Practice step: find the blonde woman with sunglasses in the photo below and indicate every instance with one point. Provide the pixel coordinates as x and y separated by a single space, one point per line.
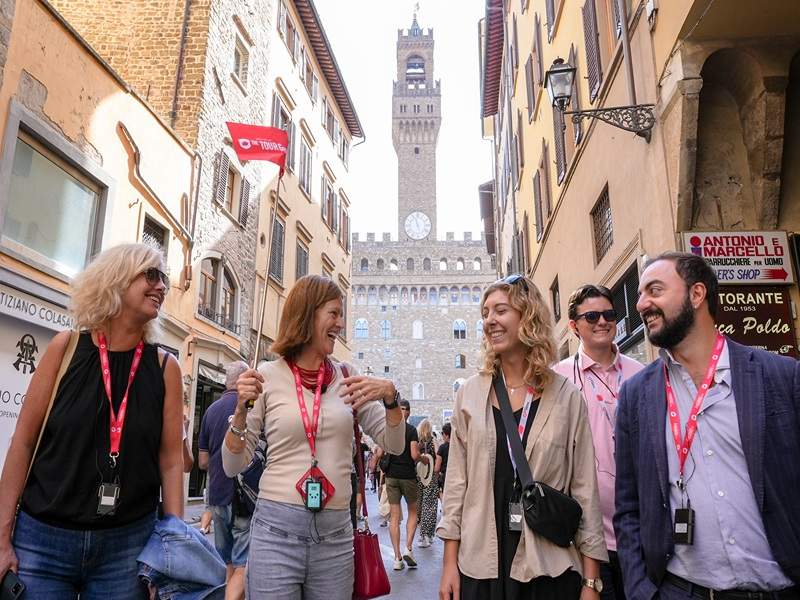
112 440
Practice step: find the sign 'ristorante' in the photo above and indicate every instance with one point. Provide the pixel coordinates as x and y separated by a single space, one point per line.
749 257
758 316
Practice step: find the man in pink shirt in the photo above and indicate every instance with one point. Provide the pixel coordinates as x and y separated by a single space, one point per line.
598 369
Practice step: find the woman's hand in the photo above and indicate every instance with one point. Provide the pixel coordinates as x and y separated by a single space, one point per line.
249 387
360 389
450 583
8 559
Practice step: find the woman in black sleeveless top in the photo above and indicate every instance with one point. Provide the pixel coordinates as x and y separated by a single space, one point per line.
85 511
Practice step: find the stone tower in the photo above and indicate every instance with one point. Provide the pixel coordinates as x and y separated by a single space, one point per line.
416 117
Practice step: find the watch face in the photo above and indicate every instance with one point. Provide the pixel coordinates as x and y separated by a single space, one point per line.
418 225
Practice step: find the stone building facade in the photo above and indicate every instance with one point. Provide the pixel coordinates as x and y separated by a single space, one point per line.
416 316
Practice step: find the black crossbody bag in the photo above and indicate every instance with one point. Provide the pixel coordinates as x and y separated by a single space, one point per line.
548 512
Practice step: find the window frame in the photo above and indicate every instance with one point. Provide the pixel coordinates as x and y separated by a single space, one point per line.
602 236
222 270
20 119
240 72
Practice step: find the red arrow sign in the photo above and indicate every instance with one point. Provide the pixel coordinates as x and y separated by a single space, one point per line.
777 274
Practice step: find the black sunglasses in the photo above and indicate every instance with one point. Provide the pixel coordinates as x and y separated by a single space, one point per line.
153 276
593 316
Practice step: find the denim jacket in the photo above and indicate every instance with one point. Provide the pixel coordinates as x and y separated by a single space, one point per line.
181 564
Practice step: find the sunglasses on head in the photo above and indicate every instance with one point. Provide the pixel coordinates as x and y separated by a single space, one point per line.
513 279
153 276
593 316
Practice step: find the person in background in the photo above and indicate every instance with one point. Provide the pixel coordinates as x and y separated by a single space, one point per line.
440 468
501 558
598 369
401 482
428 503
708 437
111 443
231 530
301 541
188 459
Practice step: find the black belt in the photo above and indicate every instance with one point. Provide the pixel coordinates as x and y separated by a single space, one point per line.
699 591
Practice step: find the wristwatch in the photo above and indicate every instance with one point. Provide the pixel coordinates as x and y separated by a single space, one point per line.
240 433
594 584
395 402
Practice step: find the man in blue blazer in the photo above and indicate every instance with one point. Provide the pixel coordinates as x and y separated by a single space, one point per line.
712 509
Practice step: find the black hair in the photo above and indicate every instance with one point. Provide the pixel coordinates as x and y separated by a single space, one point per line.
693 269
405 404
446 429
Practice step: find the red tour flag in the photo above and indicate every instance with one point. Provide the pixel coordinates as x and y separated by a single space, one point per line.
255 142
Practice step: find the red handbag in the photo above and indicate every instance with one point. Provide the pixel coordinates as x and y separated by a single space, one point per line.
371 580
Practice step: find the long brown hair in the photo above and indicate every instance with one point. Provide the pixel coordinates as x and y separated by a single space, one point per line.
535 332
297 318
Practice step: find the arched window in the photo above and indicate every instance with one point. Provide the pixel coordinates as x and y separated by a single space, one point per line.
433 296
423 295
442 295
476 295
208 286
460 264
453 295
414 299
418 363
393 296
443 264
379 264
393 265
426 264
228 302
362 329
386 329
416 330
361 295
418 391
465 295
372 296
409 264
459 329
479 329
219 294
364 265
476 264
404 295
383 294
461 361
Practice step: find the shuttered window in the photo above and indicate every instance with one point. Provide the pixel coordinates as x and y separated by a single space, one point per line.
550 6
520 142
538 64
592 42
602 226
576 129
537 204
558 137
515 50
529 87
244 201
544 168
616 21
223 171
301 261
276 254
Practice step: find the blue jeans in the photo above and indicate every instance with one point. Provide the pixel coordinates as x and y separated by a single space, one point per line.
299 555
231 535
60 564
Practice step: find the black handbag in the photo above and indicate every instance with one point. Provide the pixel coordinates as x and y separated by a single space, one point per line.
552 514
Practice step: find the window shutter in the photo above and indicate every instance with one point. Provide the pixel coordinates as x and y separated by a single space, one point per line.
577 127
335 211
551 18
537 204
276 110
558 137
520 142
276 255
282 20
296 46
244 201
592 40
617 20
526 246
537 41
546 199
314 88
223 164
529 86
290 153
324 112
515 52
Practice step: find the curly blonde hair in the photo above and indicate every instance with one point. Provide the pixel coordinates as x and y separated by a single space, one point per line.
535 331
425 431
97 291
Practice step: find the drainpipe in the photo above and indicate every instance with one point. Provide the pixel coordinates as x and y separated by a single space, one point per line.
626 51
187 9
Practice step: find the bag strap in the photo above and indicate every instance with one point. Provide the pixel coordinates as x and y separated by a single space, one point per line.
523 468
359 454
69 351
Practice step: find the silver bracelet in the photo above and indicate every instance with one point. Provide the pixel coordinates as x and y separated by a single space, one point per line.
240 433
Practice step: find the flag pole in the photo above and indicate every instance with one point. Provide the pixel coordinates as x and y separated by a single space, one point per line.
273 218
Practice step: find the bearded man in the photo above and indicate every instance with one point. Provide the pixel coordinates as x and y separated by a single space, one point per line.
709 509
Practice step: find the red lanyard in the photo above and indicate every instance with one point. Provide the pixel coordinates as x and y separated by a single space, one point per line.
117 420
691 424
312 426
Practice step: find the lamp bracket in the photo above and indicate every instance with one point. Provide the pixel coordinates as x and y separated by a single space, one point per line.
638 118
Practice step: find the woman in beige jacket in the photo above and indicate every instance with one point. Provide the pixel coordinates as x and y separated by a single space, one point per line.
483 557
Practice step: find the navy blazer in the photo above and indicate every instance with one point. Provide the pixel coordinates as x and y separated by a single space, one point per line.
767 392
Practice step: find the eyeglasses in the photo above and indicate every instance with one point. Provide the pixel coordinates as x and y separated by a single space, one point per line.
513 279
593 316
153 276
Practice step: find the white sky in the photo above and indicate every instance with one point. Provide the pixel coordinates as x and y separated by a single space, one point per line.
363 34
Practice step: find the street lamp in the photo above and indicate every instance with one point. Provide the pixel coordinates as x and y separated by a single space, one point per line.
558 82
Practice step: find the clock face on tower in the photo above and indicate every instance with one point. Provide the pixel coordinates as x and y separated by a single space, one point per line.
418 225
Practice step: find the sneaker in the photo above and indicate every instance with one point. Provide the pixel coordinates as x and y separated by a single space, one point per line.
409 558
424 542
399 565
